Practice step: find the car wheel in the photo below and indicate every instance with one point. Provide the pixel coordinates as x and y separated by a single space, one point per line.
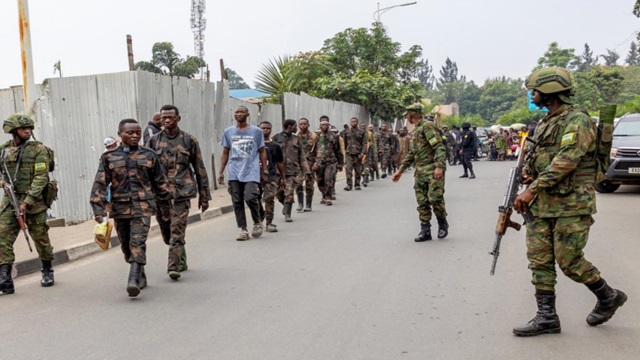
606 187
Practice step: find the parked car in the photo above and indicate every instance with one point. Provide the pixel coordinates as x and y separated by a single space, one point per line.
625 155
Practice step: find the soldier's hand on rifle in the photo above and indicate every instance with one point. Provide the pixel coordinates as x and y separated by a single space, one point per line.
522 201
438 174
23 208
526 178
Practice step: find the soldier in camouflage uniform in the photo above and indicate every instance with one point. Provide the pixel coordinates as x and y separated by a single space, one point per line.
404 142
308 139
181 158
137 180
428 155
561 171
275 177
295 164
385 147
27 164
372 153
328 160
355 143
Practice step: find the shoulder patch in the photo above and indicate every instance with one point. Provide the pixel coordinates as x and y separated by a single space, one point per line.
433 141
40 166
568 138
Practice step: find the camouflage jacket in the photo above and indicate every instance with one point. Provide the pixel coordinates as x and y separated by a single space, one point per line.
563 165
31 177
136 178
427 151
181 159
385 141
309 146
355 141
295 161
328 149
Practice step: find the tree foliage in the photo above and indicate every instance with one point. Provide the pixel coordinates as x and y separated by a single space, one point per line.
633 57
272 76
425 75
587 60
556 56
165 60
611 58
235 81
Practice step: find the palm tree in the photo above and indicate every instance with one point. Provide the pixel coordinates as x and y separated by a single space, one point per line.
272 77
57 67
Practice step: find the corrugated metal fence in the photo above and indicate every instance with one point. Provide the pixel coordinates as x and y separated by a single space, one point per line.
75 114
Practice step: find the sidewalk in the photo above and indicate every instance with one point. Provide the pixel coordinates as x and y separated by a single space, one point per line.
76 241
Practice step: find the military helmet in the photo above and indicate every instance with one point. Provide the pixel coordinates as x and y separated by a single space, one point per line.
416 108
17 121
466 125
550 80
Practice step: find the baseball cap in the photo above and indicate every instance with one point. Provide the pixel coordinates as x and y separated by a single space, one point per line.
110 141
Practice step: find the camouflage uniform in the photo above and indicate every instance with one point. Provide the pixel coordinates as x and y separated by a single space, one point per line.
181 158
269 188
308 146
372 154
328 157
427 153
137 179
355 142
395 151
295 162
404 144
384 150
29 181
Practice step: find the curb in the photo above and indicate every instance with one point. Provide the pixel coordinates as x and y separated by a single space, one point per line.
90 247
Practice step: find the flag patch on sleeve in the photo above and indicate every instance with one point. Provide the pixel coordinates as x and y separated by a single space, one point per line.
568 139
40 166
433 141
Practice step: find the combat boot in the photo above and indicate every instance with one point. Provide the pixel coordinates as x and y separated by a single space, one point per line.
134 278
365 180
143 278
546 320
307 207
425 232
609 300
287 212
300 202
6 282
472 175
384 174
465 175
443 228
183 260
47 274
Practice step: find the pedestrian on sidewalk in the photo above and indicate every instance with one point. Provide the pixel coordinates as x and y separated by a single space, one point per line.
181 158
245 153
355 143
274 180
26 164
309 139
137 178
328 160
428 154
295 164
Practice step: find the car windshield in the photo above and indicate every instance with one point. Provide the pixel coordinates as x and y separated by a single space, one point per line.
628 127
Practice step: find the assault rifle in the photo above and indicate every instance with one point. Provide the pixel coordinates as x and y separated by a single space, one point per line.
8 189
506 209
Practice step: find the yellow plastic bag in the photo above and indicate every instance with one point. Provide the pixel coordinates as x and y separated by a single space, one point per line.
102 234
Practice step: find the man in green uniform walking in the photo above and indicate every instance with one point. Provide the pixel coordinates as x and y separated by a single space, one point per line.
26 163
428 154
561 171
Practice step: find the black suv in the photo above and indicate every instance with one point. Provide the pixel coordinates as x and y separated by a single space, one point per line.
625 155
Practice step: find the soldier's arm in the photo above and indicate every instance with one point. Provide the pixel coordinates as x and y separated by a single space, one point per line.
201 171
579 135
410 157
337 148
40 175
98 199
435 140
365 141
159 181
304 165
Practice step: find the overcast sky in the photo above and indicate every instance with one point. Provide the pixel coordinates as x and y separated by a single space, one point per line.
486 38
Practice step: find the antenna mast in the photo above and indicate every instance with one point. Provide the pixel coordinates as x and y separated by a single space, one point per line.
198 25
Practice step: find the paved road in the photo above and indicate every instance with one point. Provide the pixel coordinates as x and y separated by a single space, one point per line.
343 282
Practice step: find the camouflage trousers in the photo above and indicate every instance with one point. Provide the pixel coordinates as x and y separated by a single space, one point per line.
429 194
386 162
354 164
285 194
560 240
173 233
132 233
307 185
326 179
10 230
269 191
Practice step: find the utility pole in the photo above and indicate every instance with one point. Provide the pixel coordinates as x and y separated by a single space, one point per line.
28 83
130 53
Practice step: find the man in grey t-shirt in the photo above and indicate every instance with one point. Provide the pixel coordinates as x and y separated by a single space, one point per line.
244 153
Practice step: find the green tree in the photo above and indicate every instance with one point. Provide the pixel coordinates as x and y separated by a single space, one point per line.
587 60
235 81
611 58
609 82
425 75
165 60
303 69
469 98
556 56
633 57
271 77
520 115
448 84
499 96
631 85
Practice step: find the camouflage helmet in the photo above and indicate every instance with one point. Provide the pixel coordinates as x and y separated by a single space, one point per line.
552 80
415 108
17 121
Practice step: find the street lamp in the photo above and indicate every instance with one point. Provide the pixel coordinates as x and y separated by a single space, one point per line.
379 12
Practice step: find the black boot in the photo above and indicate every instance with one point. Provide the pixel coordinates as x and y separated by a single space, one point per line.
472 176
546 320
307 206
425 232
465 175
47 274
143 278
300 202
287 212
609 300
365 180
443 228
133 287
6 282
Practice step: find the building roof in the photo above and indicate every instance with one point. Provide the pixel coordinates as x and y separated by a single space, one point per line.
247 93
